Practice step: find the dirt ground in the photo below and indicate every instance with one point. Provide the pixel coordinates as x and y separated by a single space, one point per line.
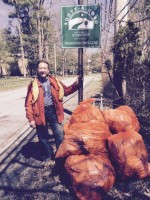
24 178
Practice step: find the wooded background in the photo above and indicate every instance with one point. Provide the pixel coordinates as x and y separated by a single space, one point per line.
34 32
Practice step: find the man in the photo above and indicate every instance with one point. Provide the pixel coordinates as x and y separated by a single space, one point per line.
44 105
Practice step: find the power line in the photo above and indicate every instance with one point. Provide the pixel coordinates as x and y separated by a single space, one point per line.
129 9
74 2
105 13
125 15
104 29
110 8
104 52
121 11
114 18
141 20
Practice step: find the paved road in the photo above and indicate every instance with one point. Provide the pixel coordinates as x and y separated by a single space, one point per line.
12 113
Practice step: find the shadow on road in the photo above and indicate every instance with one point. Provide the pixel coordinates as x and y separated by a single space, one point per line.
32 150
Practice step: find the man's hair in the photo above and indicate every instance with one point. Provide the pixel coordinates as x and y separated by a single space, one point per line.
42 61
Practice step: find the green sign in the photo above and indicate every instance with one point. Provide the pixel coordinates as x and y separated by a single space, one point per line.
80 26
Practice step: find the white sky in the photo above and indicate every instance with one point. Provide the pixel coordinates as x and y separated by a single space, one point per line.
4 10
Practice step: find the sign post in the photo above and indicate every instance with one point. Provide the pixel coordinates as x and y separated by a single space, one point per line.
80 27
80 70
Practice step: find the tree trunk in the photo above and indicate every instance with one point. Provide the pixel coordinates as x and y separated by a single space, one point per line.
117 80
42 36
39 35
21 43
46 50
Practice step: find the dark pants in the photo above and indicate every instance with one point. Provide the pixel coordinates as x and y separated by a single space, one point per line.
43 135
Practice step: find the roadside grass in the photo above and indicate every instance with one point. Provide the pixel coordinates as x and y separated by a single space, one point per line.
11 83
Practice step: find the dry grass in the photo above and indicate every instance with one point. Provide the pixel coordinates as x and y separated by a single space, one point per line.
11 83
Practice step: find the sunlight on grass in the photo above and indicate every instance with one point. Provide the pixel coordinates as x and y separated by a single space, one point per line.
13 83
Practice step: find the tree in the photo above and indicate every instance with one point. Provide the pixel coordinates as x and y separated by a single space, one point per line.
17 14
125 49
5 56
34 32
141 13
130 65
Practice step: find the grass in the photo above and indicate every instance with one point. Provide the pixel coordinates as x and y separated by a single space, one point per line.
10 83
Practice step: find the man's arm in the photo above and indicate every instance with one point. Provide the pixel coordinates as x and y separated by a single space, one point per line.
28 106
70 89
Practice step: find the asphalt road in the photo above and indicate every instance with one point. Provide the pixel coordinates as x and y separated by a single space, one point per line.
12 115
13 121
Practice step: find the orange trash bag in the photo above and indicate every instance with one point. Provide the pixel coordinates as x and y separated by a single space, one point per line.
129 154
86 112
121 119
86 132
84 138
90 175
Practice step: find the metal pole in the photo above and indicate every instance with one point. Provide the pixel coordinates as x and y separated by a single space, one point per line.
117 75
80 71
80 68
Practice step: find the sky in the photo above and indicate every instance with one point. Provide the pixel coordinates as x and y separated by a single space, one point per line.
4 10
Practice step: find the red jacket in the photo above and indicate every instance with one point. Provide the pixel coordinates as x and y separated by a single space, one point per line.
35 111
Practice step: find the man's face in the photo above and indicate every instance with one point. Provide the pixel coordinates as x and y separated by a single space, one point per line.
43 70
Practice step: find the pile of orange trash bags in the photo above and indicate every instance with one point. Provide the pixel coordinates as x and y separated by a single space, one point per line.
100 145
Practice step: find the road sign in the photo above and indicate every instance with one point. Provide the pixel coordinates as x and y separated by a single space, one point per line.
80 25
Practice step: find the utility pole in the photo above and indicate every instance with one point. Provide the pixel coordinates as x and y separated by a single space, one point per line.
80 68
117 75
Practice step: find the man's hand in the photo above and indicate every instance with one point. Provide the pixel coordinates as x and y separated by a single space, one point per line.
32 124
79 77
